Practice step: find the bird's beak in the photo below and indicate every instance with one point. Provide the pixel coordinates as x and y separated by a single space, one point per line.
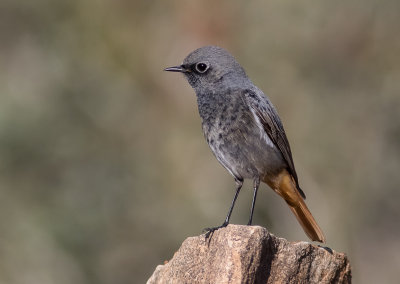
179 68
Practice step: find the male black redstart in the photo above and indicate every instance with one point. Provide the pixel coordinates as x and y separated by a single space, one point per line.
244 131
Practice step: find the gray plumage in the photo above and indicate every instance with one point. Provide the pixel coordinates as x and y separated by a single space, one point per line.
240 123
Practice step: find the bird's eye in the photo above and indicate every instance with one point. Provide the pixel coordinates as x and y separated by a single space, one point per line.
201 67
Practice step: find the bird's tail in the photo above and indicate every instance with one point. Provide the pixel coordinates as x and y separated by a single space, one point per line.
285 186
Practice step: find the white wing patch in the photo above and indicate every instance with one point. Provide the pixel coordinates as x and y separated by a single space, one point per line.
263 133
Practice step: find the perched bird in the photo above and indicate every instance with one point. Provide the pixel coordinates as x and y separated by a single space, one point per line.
244 131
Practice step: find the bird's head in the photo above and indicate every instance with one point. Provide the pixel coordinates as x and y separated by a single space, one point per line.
211 67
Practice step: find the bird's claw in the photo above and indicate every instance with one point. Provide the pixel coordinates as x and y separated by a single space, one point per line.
210 231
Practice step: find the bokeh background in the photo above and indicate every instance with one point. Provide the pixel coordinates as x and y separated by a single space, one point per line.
104 170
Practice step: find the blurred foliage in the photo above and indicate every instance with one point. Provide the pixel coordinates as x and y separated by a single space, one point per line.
104 170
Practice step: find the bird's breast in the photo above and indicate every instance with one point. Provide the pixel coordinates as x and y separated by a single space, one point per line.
236 139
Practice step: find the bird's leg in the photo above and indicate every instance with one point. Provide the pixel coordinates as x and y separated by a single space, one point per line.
239 183
256 184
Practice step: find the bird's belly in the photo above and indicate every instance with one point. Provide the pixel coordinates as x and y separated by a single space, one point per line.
245 152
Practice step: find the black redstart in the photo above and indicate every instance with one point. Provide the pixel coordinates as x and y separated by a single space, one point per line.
244 131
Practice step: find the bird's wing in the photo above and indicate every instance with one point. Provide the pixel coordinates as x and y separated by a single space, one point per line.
268 117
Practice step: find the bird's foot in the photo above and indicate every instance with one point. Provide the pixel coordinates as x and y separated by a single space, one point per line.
210 231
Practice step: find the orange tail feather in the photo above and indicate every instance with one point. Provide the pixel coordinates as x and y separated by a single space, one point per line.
285 186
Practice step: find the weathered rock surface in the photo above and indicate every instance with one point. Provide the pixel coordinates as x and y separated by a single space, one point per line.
249 254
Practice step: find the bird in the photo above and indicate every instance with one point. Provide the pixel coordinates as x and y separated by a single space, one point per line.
244 132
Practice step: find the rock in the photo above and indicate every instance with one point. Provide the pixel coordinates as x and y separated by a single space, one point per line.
250 254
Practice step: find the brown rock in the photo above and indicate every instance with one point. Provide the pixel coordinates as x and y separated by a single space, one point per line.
249 254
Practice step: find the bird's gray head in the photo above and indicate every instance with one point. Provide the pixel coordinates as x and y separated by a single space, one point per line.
211 67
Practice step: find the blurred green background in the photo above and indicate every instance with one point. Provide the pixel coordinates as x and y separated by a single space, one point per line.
104 170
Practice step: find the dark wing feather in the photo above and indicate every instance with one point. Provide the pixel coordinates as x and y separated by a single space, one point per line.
273 127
